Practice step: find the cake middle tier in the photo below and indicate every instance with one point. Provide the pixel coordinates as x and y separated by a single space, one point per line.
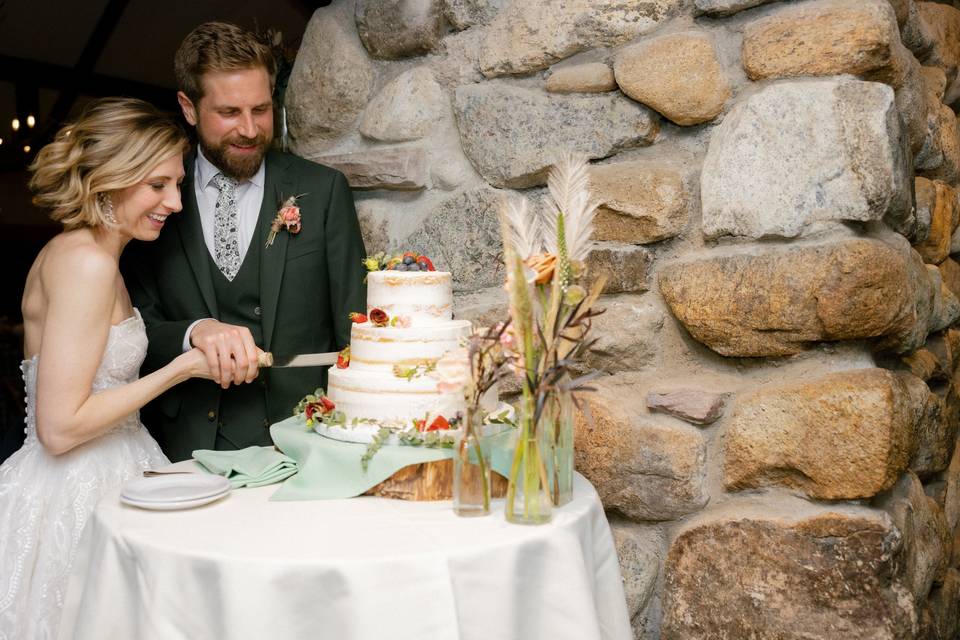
379 349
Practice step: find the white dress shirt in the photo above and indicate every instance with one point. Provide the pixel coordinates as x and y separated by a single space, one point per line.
249 199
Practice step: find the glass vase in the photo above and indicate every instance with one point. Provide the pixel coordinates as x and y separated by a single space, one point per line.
471 468
557 421
528 488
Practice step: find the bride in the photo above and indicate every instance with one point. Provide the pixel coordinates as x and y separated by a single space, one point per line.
112 176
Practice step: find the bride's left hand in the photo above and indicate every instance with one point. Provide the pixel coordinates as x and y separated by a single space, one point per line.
193 364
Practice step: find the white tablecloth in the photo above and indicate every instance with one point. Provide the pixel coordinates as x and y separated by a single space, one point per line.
362 568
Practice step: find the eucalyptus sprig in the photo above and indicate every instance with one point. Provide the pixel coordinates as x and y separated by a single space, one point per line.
379 439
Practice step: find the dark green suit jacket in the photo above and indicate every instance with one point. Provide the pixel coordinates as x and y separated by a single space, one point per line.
309 283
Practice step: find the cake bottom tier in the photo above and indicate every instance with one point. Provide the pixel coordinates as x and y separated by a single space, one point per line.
370 401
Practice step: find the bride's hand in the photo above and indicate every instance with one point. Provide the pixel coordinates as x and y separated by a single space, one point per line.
194 364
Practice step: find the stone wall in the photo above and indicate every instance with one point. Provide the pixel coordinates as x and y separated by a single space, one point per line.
776 439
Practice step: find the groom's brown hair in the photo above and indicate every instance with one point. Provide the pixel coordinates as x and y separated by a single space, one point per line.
218 46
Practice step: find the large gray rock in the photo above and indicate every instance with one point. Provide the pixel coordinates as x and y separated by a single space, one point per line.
935 431
914 102
462 236
527 36
946 307
624 266
951 498
483 307
374 218
398 28
640 549
405 109
677 74
914 30
841 158
846 435
943 24
627 333
512 135
925 535
941 153
645 467
945 606
827 38
930 156
720 8
777 303
395 169
756 575
643 202
463 14
326 92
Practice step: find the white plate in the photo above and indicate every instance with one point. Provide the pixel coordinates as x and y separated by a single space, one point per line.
175 488
170 506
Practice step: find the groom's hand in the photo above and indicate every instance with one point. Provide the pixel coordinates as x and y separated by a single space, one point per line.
230 351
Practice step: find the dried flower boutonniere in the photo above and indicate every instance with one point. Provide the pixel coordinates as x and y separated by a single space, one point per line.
288 218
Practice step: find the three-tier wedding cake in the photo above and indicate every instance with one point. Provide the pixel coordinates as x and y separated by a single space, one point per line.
408 327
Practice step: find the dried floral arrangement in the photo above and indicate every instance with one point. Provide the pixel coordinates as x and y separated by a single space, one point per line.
550 310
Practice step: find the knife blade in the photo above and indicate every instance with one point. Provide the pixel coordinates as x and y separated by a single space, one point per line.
275 361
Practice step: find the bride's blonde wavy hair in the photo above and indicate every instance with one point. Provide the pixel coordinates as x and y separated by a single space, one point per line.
113 145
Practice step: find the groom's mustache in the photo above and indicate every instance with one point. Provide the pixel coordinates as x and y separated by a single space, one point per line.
241 141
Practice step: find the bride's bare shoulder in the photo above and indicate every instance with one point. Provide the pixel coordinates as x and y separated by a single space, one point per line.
74 257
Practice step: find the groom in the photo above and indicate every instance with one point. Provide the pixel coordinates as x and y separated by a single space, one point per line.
215 281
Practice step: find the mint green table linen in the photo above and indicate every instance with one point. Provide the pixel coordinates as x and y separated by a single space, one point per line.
250 467
331 469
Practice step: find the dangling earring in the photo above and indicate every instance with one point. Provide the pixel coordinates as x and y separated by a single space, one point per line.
106 205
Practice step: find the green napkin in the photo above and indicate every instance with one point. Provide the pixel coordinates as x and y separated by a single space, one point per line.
250 467
330 468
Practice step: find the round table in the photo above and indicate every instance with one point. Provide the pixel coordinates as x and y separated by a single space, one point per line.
246 567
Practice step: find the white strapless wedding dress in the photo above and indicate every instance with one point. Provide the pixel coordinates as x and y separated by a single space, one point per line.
45 500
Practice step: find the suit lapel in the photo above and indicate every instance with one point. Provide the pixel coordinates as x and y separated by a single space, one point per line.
278 185
191 236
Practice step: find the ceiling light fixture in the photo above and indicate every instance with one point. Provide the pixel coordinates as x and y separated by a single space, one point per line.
15 124
26 148
31 121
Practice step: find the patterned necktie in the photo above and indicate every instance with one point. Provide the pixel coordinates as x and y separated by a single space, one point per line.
226 243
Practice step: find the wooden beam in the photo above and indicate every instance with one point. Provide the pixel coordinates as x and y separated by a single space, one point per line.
84 67
50 76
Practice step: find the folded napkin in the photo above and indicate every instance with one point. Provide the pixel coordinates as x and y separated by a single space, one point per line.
250 467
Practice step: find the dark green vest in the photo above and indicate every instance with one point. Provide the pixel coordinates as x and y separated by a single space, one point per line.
243 416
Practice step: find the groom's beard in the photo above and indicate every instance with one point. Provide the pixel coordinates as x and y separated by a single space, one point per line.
231 163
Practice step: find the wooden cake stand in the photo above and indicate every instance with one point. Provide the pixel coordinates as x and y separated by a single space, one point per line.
428 481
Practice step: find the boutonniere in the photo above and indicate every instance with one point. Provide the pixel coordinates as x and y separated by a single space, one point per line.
288 218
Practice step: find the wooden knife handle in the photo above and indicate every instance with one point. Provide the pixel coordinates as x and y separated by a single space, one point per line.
265 359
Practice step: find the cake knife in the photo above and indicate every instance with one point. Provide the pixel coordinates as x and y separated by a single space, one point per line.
268 359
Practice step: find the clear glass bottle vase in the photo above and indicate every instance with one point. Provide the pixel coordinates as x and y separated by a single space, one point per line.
528 488
471 468
557 422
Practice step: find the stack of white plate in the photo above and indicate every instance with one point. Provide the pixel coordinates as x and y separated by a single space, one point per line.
163 493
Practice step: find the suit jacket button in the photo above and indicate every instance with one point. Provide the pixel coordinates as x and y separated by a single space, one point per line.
257 311
266 422
211 415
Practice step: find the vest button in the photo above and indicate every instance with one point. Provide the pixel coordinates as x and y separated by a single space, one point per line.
257 311
266 422
211 415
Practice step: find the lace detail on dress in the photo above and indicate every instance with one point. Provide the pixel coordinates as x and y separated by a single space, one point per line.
45 500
